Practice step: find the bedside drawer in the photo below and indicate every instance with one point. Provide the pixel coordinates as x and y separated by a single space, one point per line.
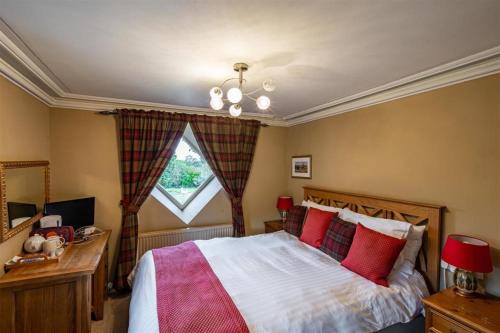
272 229
442 324
273 226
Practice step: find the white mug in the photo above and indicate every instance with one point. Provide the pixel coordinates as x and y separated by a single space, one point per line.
49 248
58 240
52 244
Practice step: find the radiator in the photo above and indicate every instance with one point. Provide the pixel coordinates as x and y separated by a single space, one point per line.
156 239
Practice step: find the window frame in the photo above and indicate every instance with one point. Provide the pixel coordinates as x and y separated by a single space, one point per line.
198 190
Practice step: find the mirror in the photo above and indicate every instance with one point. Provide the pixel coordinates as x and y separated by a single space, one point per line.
24 189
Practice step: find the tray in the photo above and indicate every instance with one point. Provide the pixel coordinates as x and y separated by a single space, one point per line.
39 259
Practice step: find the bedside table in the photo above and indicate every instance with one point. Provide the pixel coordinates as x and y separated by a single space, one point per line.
448 312
273 226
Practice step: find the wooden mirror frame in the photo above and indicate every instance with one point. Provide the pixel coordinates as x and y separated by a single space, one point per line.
5 231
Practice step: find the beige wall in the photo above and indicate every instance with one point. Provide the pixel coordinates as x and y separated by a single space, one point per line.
85 162
24 135
154 216
439 147
267 181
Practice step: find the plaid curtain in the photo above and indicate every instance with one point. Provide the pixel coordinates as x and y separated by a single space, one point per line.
148 140
228 145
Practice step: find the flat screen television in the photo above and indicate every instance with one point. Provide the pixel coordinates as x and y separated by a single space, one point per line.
76 213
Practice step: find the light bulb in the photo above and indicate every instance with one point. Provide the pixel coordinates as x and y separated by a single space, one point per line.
269 85
263 102
235 110
234 95
216 92
216 103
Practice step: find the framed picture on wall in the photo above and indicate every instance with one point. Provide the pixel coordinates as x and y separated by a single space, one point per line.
302 166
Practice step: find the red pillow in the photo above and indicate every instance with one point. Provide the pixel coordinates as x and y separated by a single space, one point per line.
315 226
373 254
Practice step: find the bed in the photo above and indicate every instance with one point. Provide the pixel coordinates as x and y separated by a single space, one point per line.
276 283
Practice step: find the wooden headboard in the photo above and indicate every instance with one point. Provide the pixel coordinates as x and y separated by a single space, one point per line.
411 212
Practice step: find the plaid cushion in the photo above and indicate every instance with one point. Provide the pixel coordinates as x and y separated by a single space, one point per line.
338 238
295 219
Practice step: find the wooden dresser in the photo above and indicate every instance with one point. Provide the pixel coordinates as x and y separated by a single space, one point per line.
447 312
57 297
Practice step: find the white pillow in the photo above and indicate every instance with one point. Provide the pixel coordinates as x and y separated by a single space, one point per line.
393 228
408 256
312 204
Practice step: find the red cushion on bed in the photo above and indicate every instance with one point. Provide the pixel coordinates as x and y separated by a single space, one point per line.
373 254
315 226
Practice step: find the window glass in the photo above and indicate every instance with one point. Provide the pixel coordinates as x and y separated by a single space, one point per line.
186 174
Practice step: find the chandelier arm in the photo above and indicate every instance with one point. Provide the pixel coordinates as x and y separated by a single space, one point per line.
231 79
227 80
253 91
250 97
240 72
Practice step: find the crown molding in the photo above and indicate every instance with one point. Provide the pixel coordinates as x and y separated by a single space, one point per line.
468 68
11 74
472 67
92 103
19 50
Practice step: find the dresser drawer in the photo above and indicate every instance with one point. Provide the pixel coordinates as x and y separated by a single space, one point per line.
442 324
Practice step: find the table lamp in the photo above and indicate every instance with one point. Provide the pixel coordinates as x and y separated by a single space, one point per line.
284 204
469 255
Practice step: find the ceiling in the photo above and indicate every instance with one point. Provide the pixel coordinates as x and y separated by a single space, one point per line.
173 52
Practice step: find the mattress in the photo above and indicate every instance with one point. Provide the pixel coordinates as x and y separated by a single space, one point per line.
280 284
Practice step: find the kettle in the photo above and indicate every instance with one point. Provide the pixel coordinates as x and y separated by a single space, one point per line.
34 243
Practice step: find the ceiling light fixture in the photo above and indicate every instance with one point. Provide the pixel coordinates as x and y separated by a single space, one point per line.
235 94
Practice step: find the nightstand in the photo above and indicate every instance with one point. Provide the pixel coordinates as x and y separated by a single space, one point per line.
273 226
448 312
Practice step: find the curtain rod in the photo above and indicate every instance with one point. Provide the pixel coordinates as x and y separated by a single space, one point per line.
113 113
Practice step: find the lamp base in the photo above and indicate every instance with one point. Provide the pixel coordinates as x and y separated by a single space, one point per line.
459 292
283 214
465 283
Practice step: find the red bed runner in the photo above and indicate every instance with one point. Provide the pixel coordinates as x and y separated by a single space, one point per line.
189 296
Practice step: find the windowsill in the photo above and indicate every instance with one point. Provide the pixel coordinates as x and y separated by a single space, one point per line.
195 206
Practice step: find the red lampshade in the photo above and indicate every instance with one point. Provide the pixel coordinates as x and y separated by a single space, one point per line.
284 203
468 253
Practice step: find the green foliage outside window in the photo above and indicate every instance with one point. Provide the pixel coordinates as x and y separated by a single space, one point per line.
191 172
185 173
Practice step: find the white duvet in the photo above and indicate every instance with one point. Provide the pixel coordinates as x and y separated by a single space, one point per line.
280 284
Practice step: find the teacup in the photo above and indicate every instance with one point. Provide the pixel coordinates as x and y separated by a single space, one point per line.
59 240
52 244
